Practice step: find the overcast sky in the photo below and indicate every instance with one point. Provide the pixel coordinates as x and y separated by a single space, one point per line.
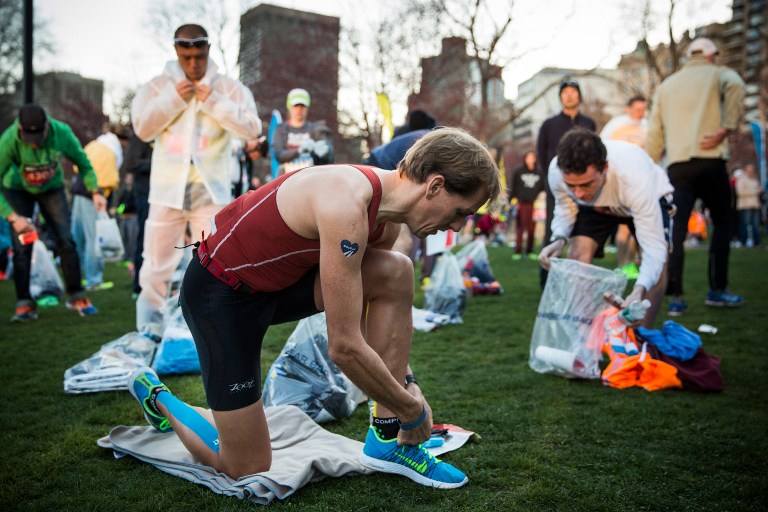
109 39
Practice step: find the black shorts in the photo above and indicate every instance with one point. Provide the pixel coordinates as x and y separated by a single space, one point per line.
228 327
598 226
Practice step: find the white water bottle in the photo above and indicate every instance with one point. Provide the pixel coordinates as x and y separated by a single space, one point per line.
635 311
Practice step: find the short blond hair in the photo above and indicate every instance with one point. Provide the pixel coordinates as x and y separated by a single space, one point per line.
464 162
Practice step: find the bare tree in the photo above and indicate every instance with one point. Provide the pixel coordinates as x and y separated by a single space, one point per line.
484 28
12 53
384 59
121 107
358 117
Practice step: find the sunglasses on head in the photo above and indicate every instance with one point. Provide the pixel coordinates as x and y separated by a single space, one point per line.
569 82
198 42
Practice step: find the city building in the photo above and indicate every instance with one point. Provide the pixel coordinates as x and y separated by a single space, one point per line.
744 48
281 49
461 90
71 98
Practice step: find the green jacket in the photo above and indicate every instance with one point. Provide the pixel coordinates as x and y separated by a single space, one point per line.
23 167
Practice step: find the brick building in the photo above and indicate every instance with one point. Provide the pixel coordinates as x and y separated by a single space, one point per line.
281 49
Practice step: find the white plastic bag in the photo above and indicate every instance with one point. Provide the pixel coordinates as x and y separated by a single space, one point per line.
572 298
109 242
446 293
304 375
44 278
475 251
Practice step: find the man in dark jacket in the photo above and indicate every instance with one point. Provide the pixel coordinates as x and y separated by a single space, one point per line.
550 133
138 162
527 184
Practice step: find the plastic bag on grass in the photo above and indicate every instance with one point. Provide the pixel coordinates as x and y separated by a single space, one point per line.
474 251
303 375
109 242
572 298
109 368
446 293
177 352
44 278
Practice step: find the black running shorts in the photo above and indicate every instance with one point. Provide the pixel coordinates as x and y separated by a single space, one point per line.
228 327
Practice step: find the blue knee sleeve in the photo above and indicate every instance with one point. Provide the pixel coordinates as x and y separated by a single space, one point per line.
191 419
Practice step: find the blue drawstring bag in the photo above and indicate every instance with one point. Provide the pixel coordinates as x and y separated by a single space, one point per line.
673 340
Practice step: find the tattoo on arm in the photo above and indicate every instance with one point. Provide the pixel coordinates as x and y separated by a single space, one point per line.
348 248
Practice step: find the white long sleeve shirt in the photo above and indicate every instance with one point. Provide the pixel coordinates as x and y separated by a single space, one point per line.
192 132
633 186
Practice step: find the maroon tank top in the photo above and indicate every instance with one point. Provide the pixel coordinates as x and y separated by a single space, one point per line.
253 242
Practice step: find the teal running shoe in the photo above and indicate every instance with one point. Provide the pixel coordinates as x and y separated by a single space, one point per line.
414 462
144 385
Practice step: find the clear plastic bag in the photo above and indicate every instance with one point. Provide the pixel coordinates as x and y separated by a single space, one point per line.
44 278
109 242
304 375
177 352
474 251
572 298
446 293
109 368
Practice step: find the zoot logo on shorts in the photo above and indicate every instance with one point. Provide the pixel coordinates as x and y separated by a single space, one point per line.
241 386
38 175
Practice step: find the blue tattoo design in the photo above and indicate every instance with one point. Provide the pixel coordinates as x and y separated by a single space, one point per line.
348 248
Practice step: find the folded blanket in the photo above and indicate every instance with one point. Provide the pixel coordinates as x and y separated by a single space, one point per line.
302 452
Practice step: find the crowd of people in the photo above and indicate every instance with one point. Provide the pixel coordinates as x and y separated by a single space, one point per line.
337 238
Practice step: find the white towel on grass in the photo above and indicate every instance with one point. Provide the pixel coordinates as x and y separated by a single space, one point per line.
302 452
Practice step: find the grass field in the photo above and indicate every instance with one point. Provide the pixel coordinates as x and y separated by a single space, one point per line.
547 443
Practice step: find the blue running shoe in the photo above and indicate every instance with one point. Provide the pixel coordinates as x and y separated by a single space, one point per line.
143 385
413 462
677 307
723 299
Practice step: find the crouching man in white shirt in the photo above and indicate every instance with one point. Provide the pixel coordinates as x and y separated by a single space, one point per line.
598 186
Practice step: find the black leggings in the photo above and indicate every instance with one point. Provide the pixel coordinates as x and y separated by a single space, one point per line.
228 327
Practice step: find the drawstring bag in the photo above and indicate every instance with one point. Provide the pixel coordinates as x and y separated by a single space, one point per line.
44 279
177 352
446 293
109 242
572 299
305 376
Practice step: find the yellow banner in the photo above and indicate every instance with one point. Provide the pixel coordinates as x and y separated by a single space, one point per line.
387 128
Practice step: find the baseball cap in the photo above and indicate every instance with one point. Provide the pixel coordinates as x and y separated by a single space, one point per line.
297 97
32 121
702 45
569 82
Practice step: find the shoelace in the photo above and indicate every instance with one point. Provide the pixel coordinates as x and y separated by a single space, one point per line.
418 455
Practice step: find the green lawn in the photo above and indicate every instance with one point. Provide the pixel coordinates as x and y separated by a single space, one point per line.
547 443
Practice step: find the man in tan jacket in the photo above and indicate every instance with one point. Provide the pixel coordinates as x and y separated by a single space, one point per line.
693 112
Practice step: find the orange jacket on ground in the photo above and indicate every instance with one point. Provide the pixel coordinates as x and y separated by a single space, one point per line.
641 370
